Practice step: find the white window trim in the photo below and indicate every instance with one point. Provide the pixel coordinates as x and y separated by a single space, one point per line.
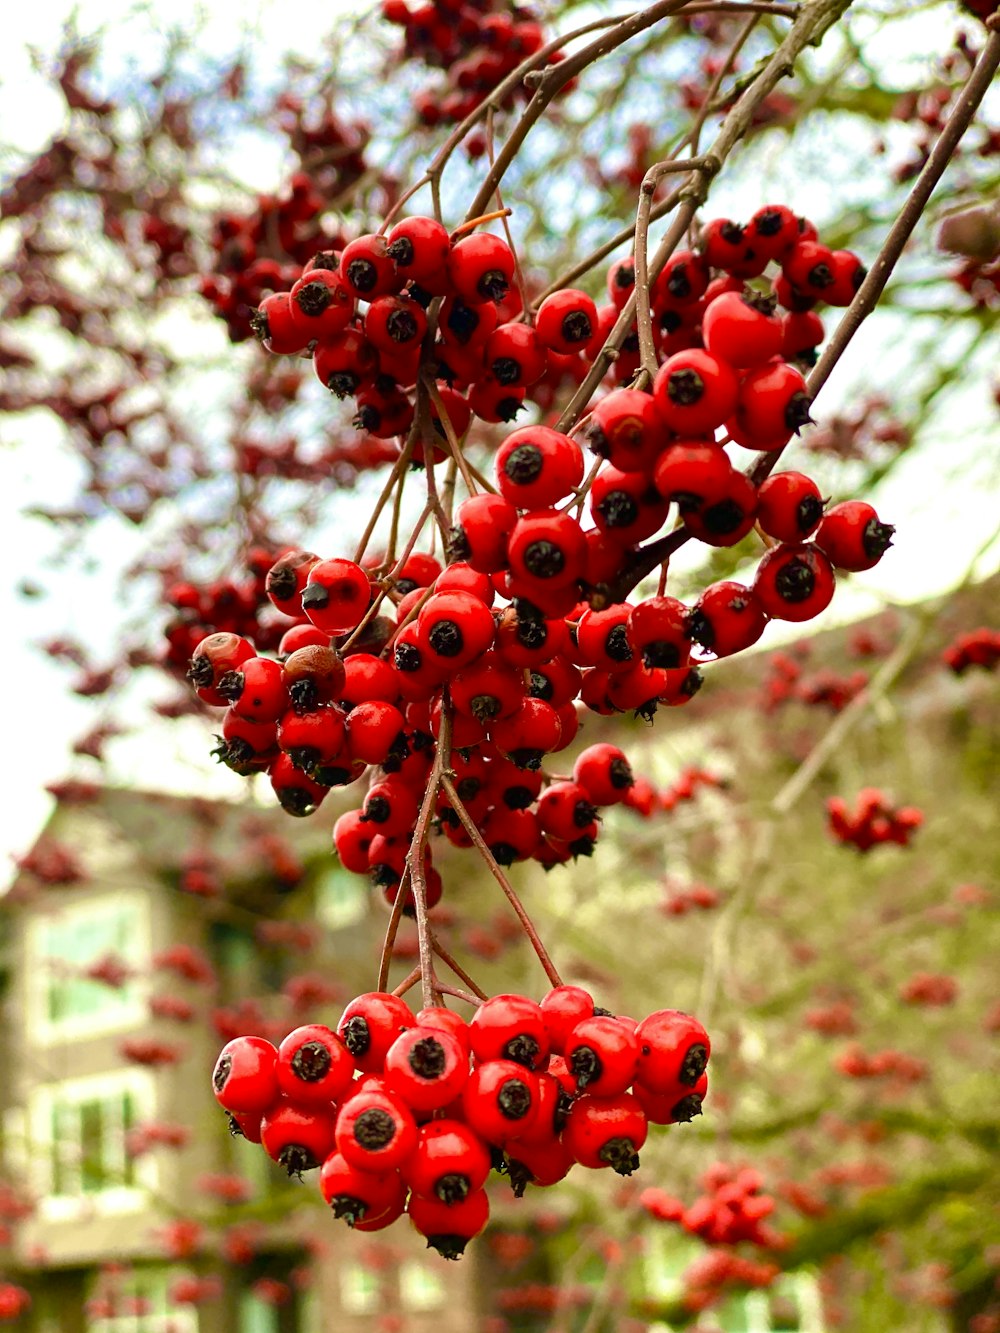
131 1013
116 1200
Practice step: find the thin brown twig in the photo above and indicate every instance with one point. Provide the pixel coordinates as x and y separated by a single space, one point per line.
456 967
497 872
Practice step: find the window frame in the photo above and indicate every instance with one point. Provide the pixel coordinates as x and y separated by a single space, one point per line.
45 1102
131 1010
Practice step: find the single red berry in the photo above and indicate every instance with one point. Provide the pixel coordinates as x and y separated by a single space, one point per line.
673 1051
370 1024
727 618
536 467
298 1136
314 1065
546 548
419 248
375 1131
794 582
742 328
449 1163
626 506
482 526
320 304
606 1131
695 392
500 1100
245 1078
562 1009
449 1227
602 1055
853 537
514 355
566 320
336 596
773 231
773 404
604 772
455 628
509 1027
359 1196
368 270
625 428
275 326
529 734
427 1068
789 506
481 267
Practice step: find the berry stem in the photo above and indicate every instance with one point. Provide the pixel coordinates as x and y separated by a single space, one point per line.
472 223
408 982
459 994
456 967
811 23
477 839
644 319
976 86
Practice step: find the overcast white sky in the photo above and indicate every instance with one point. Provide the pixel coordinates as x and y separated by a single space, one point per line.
944 498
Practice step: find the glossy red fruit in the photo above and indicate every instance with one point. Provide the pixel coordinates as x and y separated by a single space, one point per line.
625 428
566 320
375 1131
427 1068
481 267
602 1055
727 618
450 1162
789 506
673 1051
794 582
245 1078
455 628
546 548
853 536
500 1100
369 1026
563 1008
773 404
449 1227
606 1131
313 1065
368 270
695 392
742 329
357 1196
537 467
296 1135
509 1027
336 596
604 772
482 526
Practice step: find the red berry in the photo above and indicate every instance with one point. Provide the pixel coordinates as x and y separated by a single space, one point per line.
695 392
852 536
794 582
245 1079
370 1024
375 1131
313 1065
606 1131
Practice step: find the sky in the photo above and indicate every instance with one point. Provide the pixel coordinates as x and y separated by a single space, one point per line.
943 496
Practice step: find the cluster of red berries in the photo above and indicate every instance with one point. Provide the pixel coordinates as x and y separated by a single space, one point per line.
246 266
646 800
478 44
929 989
874 820
977 648
825 688
732 1208
228 606
855 1063
409 1112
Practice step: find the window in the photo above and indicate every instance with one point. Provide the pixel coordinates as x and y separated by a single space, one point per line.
359 1289
78 1129
420 1288
142 1304
62 1004
342 898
